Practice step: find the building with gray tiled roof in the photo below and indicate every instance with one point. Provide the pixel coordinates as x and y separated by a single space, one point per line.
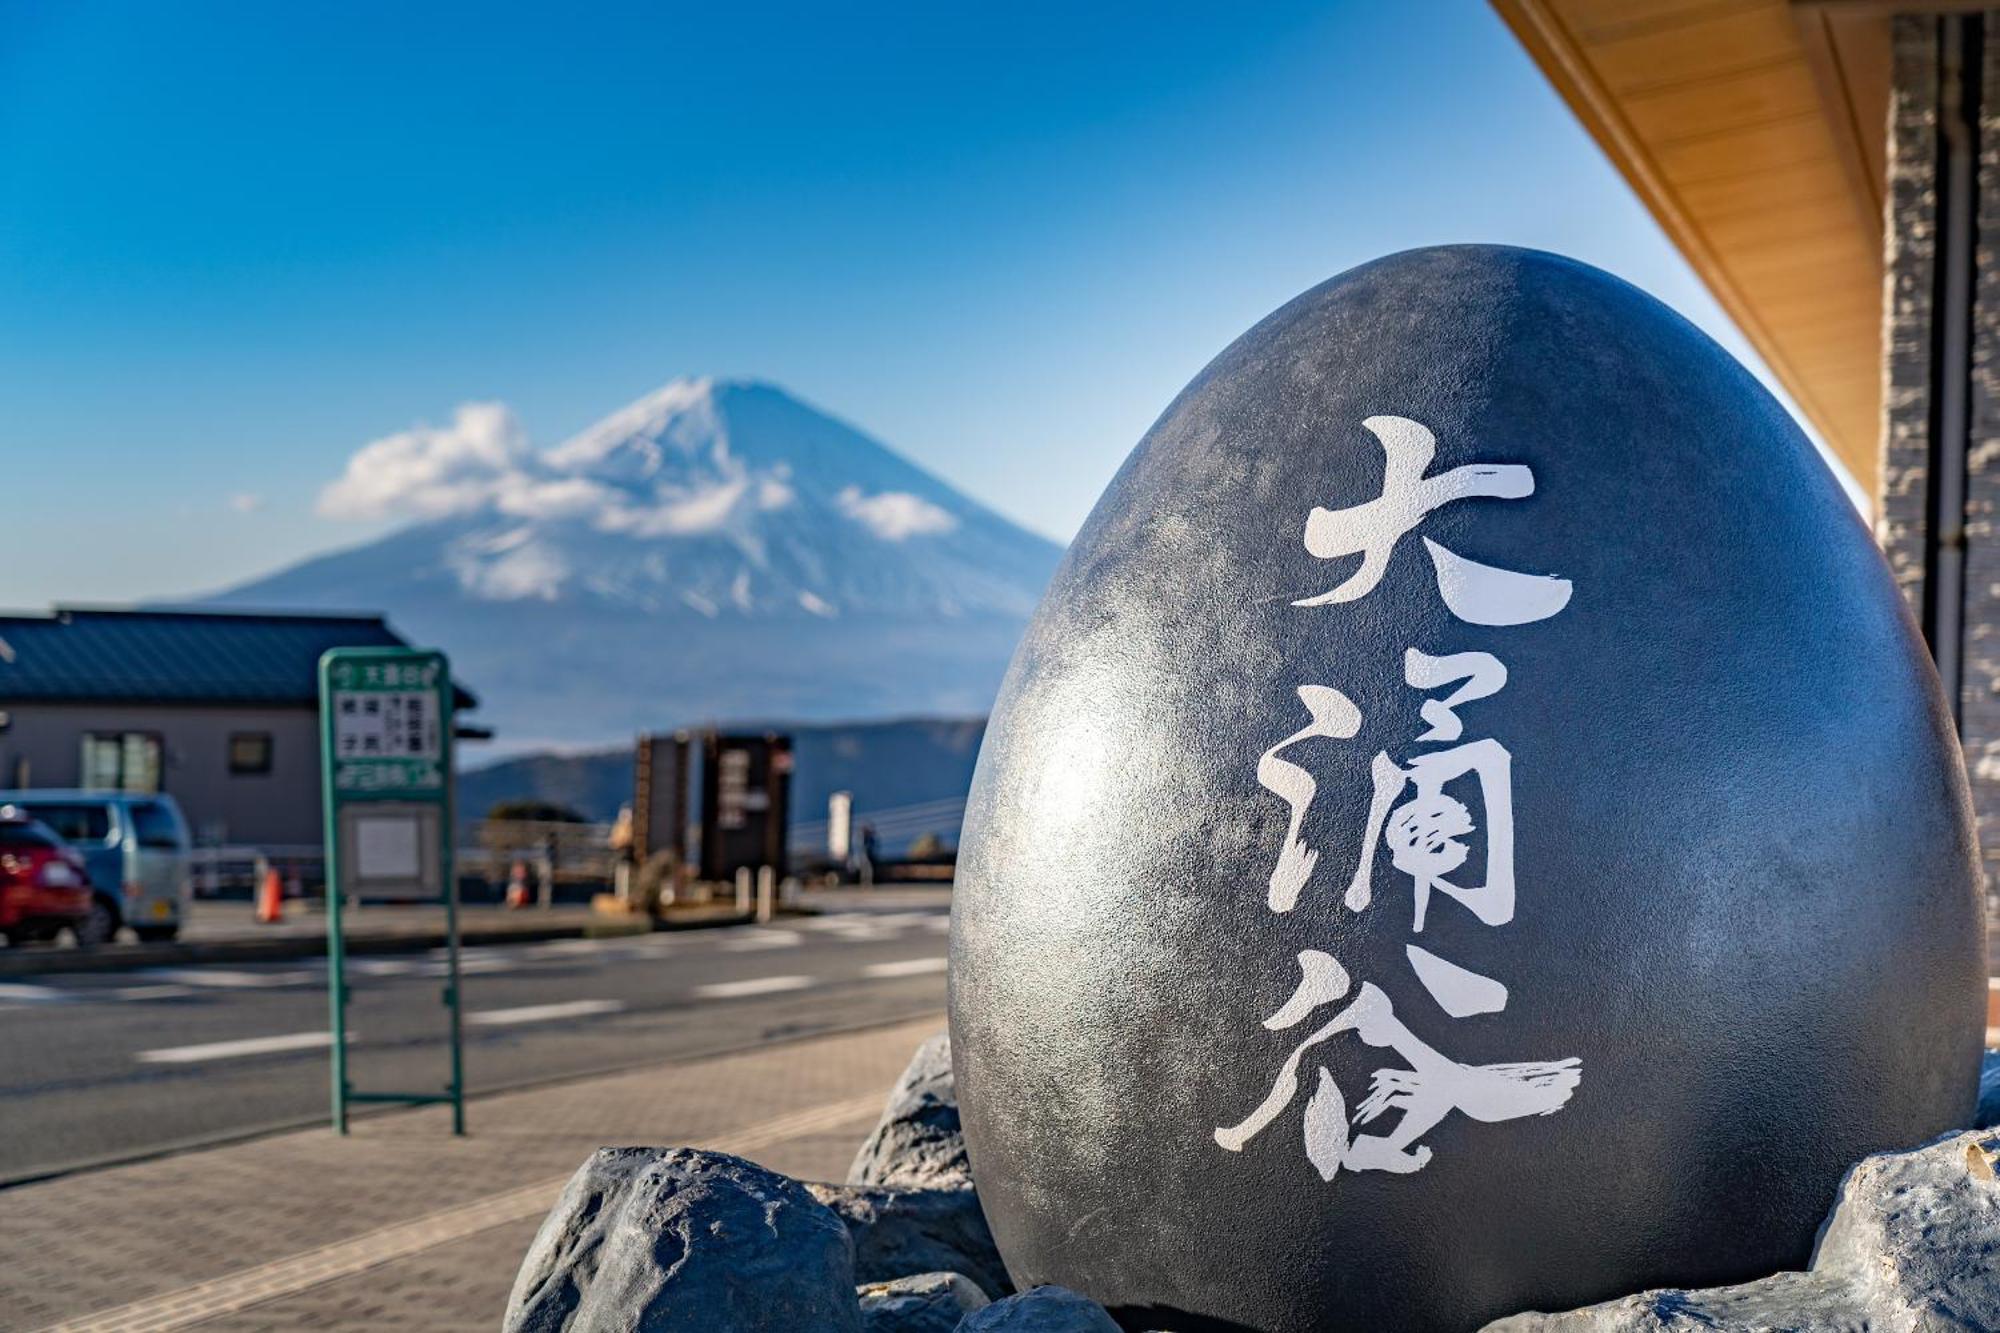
219 709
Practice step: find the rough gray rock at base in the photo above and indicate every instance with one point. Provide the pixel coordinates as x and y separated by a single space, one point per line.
1988 1114
900 1232
653 1240
927 1303
1913 1243
1042 1310
918 1143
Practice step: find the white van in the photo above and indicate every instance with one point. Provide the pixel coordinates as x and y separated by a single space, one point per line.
136 849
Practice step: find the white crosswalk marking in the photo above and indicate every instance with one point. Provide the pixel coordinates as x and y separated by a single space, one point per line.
24 993
860 932
908 967
230 1050
167 992
224 979
541 1013
764 938
384 967
729 990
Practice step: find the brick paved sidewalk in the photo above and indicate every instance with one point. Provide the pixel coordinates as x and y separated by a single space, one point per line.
402 1226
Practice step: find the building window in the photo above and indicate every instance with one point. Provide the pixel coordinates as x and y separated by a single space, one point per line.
249 752
121 760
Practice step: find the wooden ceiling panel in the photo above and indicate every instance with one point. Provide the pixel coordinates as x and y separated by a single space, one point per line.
1745 151
1720 202
1747 128
1598 20
1693 108
1701 46
1753 229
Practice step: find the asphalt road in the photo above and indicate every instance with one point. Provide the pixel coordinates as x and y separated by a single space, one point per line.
96 1068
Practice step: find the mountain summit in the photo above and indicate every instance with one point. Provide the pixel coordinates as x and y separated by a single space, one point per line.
717 549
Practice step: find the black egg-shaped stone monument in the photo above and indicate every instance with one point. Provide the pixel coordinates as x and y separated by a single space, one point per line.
1471 828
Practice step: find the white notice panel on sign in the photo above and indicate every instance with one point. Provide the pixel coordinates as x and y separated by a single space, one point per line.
386 847
395 724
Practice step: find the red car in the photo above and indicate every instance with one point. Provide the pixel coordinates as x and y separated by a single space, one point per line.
43 886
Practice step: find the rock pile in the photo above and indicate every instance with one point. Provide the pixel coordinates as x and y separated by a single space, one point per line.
658 1240
1913 1243
918 1145
676 1239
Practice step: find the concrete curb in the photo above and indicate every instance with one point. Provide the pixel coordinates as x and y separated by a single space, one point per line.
123 957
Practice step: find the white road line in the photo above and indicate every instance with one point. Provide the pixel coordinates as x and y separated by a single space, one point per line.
729 990
541 1013
24 993
862 933
568 946
383 967
909 967
223 979
168 992
474 953
765 938
230 1050
472 963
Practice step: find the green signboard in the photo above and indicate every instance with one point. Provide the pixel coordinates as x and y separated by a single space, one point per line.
386 775
389 718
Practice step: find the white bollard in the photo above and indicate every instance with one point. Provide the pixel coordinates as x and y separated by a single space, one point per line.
767 883
743 888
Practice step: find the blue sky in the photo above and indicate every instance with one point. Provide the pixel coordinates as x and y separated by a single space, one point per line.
239 241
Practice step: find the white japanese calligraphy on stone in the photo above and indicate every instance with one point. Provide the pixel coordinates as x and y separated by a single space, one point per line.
1488 595
1333 714
1483 674
1423 833
1459 991
1372 530
1420 823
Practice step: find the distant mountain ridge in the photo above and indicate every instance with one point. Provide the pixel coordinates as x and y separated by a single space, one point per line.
717 549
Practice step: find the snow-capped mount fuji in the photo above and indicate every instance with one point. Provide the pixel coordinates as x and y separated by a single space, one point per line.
718 549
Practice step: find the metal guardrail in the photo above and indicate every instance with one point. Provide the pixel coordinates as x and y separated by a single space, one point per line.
895 826
233 869
578 853
582 853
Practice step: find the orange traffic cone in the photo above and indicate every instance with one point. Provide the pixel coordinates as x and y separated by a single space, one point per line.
517 886
271 898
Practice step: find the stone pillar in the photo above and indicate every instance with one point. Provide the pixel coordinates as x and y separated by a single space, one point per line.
1979 694
1909 236
1908 504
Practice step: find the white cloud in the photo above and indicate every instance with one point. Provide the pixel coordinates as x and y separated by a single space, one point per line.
524 496
678 513
509 567
894 515
246 502
481 462
774 492
430 471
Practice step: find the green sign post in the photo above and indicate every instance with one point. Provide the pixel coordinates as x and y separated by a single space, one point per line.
386 771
